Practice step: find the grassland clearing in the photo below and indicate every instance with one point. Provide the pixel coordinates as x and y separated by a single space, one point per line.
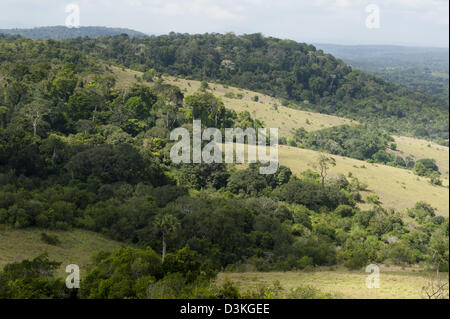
344 284
77 246
419 149
397 188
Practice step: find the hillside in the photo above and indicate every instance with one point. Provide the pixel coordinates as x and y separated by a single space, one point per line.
284 69
418 69
398 188
418 148
268 109
85 144
62 32
76 247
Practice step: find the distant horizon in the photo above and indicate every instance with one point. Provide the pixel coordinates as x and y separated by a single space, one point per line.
418 23
315 43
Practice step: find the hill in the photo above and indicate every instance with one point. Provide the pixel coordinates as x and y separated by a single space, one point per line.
76 247
62 32
398 188
418 69
298 73
285 69
82 148
268 109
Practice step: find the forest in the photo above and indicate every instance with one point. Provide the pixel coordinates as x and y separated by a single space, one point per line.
285 69
78 152
415 68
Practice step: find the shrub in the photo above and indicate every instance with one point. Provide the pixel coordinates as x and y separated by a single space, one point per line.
50 239
305 262
344 211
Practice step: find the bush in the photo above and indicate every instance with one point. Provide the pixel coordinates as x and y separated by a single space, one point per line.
305 262
357 260
308 292
50 239
344 211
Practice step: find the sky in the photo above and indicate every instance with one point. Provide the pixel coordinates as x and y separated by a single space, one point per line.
394 22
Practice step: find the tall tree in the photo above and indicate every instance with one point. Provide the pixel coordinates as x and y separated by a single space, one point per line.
166 224
35 112
3 114
325 163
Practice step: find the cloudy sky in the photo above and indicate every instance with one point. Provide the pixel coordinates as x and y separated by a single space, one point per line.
402 22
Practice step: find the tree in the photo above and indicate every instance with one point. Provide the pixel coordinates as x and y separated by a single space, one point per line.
65 83
149 75
139 109
3 113
85 126
325 163
31 279
166 224
35 112
123 273
204 86
426 167
207 108
82 105
436 288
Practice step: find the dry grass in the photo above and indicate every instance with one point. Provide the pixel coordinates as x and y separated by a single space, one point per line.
76 246
419 149
284 118
398 188
124 77
394 283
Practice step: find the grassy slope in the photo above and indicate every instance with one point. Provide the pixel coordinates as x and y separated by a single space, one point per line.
394 283
77 246
423 149
397 188
283 118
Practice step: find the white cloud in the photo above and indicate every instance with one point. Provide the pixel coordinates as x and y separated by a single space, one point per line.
341 21
205 8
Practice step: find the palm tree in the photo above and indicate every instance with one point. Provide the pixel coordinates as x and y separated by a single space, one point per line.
166 224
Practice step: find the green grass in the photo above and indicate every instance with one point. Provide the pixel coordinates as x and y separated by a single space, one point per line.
395 283
77 246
